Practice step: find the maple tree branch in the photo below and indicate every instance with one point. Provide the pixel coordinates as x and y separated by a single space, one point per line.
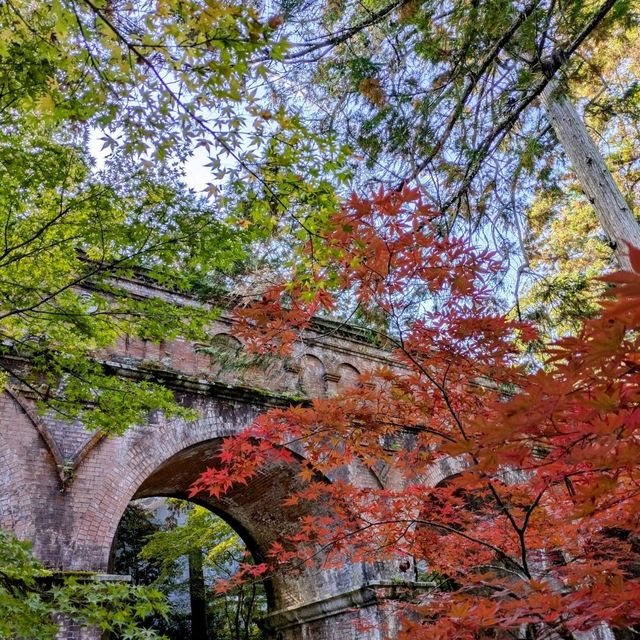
98 269
503 507
136 49
501 504
133 48
410 522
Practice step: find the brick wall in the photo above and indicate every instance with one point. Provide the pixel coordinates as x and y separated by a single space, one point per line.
66 489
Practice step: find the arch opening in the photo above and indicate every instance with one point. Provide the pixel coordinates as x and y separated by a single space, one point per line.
254 511
185 550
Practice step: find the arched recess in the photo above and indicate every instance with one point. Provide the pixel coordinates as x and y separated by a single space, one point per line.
255 510
312 378
349 376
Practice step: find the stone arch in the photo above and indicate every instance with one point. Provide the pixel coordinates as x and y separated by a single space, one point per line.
254 510
349 376
110 475
73 525
312 376
163 460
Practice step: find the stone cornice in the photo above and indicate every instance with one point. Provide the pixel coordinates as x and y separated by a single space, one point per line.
368 595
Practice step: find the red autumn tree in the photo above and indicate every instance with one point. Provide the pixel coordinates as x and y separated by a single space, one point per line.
518 491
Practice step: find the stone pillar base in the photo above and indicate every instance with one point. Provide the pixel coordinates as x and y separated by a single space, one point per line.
366 613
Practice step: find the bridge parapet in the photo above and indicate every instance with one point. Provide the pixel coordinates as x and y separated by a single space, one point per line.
328 357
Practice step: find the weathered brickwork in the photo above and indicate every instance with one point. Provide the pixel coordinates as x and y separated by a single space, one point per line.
66 489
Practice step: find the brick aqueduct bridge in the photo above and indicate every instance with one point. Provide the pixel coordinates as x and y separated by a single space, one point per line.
66 489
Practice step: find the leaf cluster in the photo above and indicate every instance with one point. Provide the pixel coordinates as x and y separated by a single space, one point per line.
519 487
33 599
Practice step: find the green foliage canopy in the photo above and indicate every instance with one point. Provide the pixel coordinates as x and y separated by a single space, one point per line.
32 598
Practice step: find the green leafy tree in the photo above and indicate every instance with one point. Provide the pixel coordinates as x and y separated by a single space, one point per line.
565 246
448 95
219 551
33 599
156 81
153 80
69 232
135 528
162 79
72 241
432 91
185 557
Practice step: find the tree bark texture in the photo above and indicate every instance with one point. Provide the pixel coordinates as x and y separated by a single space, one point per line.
197 592
612 210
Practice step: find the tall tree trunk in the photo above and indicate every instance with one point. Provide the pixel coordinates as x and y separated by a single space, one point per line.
197 593
613 212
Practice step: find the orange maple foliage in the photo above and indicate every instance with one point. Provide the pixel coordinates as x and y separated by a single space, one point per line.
532 524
